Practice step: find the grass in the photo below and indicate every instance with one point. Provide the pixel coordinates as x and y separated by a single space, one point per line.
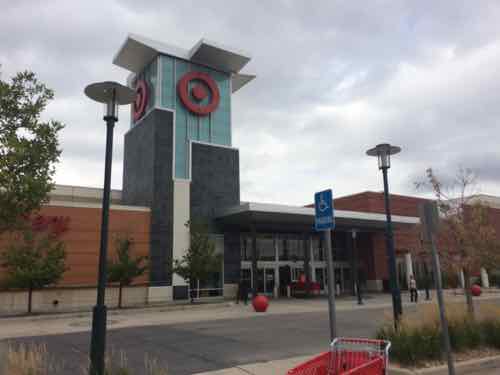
419 338
34 359
30 359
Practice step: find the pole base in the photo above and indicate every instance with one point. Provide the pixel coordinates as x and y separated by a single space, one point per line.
98 340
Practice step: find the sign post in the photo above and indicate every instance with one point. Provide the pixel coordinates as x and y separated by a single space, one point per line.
429 218
324 221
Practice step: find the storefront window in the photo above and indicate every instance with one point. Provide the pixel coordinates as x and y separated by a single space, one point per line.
317 249
265 247
294 248
282 250
296 273
340 252
246 247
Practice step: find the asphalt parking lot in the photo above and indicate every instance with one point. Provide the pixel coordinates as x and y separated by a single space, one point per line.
188 348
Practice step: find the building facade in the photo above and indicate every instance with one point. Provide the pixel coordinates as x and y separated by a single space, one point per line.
180 165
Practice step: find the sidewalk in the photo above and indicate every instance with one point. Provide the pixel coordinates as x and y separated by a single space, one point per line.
282 366
263 368
81 322
41 325
173 314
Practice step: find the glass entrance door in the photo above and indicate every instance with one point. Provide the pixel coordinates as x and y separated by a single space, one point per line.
265 280
269 281
260 280
320 277
285 279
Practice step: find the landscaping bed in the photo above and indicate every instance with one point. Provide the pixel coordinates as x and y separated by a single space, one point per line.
34 359
417 343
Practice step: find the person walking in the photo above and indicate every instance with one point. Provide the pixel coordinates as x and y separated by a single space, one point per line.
238 292
242 293
413 290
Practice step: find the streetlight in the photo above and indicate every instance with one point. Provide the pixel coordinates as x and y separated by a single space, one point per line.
112 94
383 152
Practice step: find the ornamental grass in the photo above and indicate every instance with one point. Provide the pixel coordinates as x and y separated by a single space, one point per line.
418 340
34 359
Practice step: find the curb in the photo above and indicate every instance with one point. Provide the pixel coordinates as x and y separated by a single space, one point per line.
464 367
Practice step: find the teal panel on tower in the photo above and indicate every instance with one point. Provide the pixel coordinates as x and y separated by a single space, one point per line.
214 128
150 76
221 118
181 131
167 82
205 129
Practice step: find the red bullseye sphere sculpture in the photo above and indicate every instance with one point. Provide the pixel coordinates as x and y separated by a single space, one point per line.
476 290
260 303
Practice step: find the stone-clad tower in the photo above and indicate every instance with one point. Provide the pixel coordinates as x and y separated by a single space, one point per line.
178 154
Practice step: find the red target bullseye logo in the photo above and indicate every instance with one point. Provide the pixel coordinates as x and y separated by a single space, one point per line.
202 82
141 99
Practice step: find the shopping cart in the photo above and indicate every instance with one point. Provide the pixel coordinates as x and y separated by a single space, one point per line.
348 356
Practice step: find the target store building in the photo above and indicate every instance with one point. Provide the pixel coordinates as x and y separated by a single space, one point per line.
180 165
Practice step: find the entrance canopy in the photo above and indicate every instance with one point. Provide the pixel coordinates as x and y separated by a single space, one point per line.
276 217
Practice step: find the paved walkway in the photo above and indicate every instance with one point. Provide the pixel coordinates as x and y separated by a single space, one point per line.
43 325
283 365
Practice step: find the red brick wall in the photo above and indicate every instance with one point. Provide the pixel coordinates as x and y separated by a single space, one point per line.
366 258
83 237
370 201
404 239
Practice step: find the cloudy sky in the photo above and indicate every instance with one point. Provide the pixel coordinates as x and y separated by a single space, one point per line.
333 79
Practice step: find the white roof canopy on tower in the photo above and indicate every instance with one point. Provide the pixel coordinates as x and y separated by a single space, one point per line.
137 51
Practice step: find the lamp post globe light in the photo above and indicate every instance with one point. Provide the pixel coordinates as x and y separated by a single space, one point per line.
383 152
112 94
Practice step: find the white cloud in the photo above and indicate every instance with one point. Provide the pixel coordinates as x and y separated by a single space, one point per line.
333 79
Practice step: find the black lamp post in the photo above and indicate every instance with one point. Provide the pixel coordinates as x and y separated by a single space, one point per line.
383 152
112 94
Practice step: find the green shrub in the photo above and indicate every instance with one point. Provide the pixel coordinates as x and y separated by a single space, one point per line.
491 333
419 336
411 346
419 341
464 334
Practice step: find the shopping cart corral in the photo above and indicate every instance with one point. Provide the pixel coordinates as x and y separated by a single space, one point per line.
349 356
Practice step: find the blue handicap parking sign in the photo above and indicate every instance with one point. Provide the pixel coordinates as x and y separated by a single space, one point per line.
323 203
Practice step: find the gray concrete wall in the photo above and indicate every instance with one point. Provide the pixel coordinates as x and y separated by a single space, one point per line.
216 184
232 257
69 299
147 181
215 181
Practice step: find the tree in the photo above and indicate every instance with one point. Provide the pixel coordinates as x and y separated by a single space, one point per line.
201 259
467 240
35 260
125 268
29 148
